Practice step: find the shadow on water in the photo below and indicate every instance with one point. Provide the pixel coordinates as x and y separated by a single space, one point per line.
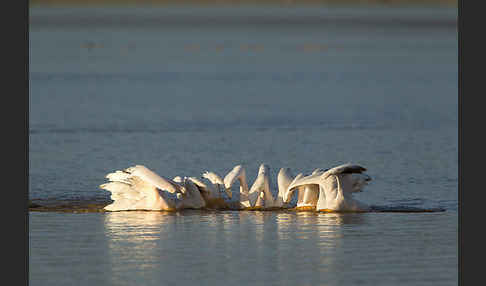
90 206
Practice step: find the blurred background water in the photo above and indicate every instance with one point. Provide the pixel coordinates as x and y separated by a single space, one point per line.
185 89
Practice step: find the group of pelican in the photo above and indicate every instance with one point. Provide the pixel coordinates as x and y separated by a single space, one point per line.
138 188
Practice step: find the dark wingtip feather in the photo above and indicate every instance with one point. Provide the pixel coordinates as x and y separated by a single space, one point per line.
347 169
353 169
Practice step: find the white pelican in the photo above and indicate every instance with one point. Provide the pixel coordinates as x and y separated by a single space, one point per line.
330 190
138 188
307 194
259 196
212 189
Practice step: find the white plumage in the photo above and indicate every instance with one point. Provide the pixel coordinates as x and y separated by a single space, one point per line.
139 188
335 187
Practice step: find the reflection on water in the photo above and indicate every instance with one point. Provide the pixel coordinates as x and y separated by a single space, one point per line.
248 247
271 241
146 226
136 225
131 239
258 218
325 227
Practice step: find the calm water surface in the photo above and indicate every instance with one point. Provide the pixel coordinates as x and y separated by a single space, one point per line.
185 90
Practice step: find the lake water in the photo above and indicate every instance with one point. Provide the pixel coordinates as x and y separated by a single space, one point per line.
183 90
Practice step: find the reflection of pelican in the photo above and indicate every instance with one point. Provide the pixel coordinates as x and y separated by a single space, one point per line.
138 225
139 188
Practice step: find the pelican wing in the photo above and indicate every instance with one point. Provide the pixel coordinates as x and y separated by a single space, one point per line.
213 178
135 188
127 193
264 171
354 182
256 189
284 179
160 182
298 177
198 182
344 169
192 198
318 171
300 180
233 175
